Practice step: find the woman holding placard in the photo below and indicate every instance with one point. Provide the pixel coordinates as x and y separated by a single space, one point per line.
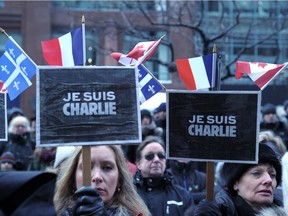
111 192
248 187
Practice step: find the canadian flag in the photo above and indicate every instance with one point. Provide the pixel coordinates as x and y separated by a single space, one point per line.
139 54
261 73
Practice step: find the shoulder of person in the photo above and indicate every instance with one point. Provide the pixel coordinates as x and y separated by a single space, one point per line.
225 202
200 174
158 131
185 195
207 208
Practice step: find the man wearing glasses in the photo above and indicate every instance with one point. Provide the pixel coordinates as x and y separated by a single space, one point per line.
154 182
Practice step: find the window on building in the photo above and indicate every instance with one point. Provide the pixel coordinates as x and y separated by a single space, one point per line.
16 35
253 14
213 6
110 5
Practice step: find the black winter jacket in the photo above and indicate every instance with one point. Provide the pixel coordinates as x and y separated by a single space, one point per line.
225 204
27 193
187 176
162 197
71 212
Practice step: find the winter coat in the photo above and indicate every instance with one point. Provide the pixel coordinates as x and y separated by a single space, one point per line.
162 124
225 204
151 130
109 212
187 176
161 196
21 147
27 193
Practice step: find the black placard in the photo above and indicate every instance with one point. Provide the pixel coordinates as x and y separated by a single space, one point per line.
87 106
213 126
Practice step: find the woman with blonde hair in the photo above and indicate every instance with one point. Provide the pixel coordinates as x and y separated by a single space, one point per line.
19 142
111 193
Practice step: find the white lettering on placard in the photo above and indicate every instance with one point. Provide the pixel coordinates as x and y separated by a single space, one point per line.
90 103
212 126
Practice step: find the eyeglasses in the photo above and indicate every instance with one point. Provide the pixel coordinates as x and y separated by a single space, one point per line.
150 156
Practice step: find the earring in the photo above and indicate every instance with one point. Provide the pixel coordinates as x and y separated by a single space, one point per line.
118 189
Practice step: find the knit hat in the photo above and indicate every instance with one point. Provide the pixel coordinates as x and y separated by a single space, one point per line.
7 157
145 112
160 108
268 108
14 111
232 172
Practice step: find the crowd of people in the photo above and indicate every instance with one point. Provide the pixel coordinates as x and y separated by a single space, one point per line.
131 180
21 144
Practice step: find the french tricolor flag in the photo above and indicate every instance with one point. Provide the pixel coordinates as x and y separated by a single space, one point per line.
66 50
196 73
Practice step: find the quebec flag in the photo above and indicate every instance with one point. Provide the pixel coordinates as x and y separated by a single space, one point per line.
149 85
16 69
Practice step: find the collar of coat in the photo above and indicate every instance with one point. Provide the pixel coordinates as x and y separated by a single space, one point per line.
152 182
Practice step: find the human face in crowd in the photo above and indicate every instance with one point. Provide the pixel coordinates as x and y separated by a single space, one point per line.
6 166
20 127
257 185
156 115
104 172
145 120
152 162
162 115
270 117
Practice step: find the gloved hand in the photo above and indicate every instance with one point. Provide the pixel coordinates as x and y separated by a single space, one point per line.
89 202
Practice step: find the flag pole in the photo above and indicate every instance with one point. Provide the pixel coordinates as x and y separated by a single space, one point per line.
4 32
84 40
86 150
210 166
215 76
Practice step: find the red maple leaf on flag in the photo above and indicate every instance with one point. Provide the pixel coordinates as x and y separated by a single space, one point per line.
137 52
260 64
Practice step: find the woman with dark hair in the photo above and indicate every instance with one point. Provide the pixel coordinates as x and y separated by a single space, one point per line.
248 189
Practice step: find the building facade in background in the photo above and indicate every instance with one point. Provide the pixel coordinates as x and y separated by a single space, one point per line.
191 28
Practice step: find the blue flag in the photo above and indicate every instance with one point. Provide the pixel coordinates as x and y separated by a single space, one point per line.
149 85
16 69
